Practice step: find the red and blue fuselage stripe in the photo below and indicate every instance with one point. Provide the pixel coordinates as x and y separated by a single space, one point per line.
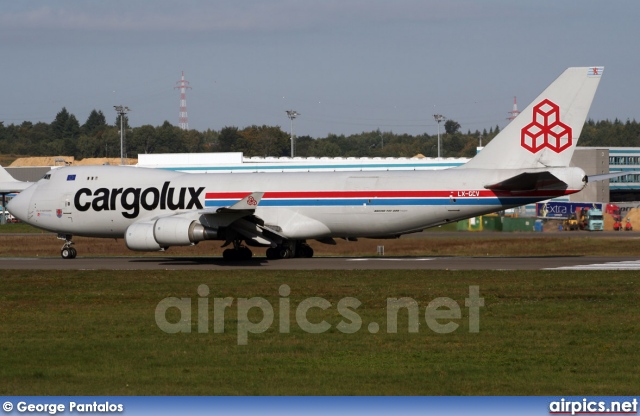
383 198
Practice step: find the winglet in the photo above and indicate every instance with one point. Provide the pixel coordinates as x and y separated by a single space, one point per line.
248 203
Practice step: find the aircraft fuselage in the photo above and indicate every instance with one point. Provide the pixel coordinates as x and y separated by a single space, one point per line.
103 201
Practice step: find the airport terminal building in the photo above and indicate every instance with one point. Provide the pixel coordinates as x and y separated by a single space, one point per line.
604 160
624 159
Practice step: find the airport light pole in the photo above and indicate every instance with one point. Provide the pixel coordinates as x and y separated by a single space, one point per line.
292 114
439 119
122 110
381 139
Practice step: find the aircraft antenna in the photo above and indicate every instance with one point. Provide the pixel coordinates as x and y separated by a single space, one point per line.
513 113
183 118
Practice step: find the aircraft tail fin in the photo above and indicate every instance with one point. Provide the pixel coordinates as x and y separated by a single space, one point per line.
6 176
9 184
546 133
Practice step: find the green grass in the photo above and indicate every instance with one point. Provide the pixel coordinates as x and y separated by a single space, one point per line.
18 227
541 333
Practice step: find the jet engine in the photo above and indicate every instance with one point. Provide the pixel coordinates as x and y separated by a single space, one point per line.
160 234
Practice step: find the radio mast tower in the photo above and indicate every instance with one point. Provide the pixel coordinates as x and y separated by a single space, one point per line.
183 119
513 113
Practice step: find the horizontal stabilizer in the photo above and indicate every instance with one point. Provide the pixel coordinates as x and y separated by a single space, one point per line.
529 182
247 204
605 176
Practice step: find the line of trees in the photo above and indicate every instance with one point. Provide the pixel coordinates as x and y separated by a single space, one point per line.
96 138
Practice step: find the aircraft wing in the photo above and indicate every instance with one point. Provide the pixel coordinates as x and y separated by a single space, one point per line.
525 182
239 219
254 232
233 223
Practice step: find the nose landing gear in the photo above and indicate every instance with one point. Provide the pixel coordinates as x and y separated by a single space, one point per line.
67 251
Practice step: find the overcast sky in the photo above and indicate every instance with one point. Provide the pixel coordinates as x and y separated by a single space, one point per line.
346 66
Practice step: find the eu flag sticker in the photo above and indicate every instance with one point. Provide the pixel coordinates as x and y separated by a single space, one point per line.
71 177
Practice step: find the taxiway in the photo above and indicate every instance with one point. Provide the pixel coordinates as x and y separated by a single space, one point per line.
325 263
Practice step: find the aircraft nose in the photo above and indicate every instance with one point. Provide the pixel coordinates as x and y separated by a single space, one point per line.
19 204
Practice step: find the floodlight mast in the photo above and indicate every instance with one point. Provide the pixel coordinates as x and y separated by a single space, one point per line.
439 119
122 110
292 114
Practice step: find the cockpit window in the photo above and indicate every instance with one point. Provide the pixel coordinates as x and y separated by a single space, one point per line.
47 176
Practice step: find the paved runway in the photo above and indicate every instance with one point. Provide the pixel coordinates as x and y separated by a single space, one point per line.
326 263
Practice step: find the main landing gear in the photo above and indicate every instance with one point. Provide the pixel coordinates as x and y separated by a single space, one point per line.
67 251
299 249
238 252
289 249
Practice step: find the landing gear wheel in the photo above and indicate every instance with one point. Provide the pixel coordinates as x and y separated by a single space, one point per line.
229 254
272 253
240 253
287 252
67 251
279 252
245 253
305 251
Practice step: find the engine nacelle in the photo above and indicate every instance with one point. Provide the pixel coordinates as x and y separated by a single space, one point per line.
139 237
176 231
165 232
173 231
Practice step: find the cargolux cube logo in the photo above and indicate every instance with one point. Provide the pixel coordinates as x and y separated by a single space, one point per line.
546 130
